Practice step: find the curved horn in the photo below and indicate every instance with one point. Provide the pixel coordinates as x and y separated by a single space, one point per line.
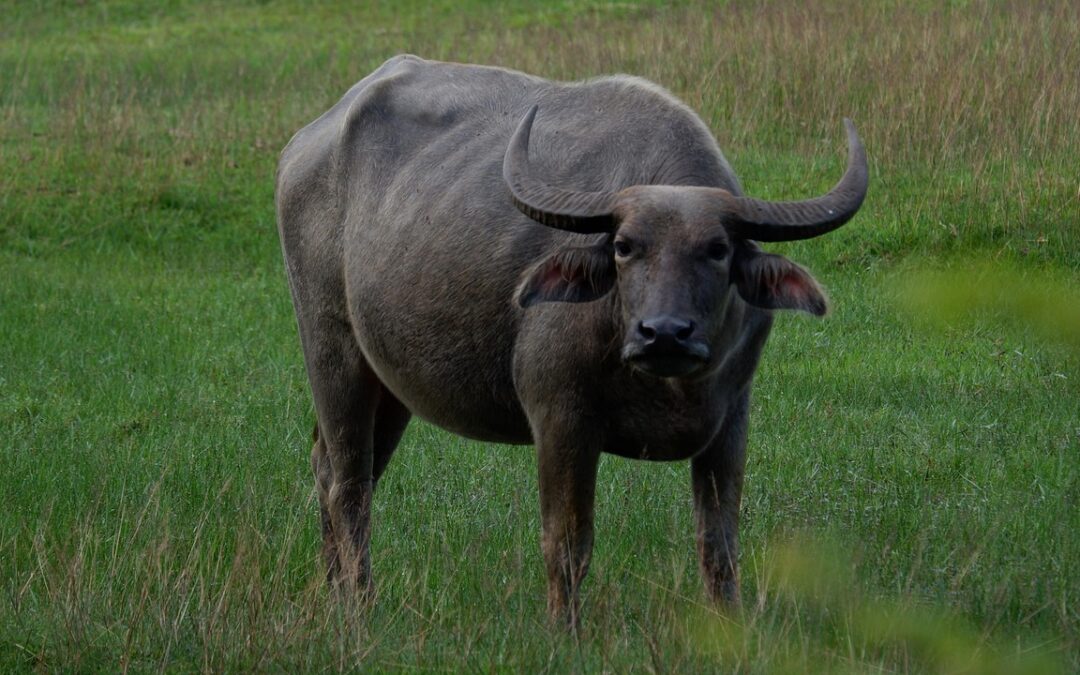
787 221
582 212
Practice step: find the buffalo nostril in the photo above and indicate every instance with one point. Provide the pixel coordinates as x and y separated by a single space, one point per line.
646 330
684 331
666 329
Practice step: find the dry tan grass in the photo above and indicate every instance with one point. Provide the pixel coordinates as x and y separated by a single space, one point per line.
967 109
975 81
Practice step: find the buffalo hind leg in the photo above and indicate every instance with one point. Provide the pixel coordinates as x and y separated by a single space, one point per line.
324 480
347 394
391 418
567 494
717 477
346 473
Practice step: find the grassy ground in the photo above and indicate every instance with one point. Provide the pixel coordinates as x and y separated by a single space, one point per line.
912 491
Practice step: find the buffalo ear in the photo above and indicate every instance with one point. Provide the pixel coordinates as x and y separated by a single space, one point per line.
572 274
774 282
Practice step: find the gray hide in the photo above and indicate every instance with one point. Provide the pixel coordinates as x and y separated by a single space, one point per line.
410 269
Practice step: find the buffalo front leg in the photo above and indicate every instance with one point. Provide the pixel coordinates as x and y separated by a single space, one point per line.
717 476
567 493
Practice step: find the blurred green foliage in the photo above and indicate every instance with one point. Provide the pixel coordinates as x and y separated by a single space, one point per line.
843 629
1045 302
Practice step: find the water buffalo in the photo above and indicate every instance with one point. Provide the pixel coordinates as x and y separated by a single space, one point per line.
570 265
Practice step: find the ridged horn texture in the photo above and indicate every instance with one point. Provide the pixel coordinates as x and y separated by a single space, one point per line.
581 212
787 221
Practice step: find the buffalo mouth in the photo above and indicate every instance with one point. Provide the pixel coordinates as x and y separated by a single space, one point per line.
670 362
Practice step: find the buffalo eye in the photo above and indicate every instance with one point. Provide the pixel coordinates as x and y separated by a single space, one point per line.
623 248
718 250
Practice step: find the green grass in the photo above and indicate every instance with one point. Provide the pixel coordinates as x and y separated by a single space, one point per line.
158 505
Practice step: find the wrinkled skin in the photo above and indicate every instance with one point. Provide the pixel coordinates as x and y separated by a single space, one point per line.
420 289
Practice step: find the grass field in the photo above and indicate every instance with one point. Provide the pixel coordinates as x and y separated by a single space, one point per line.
913 491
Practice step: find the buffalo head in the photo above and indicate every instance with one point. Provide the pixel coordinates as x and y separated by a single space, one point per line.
677 254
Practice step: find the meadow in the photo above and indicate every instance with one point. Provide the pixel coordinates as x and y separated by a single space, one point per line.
912 501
